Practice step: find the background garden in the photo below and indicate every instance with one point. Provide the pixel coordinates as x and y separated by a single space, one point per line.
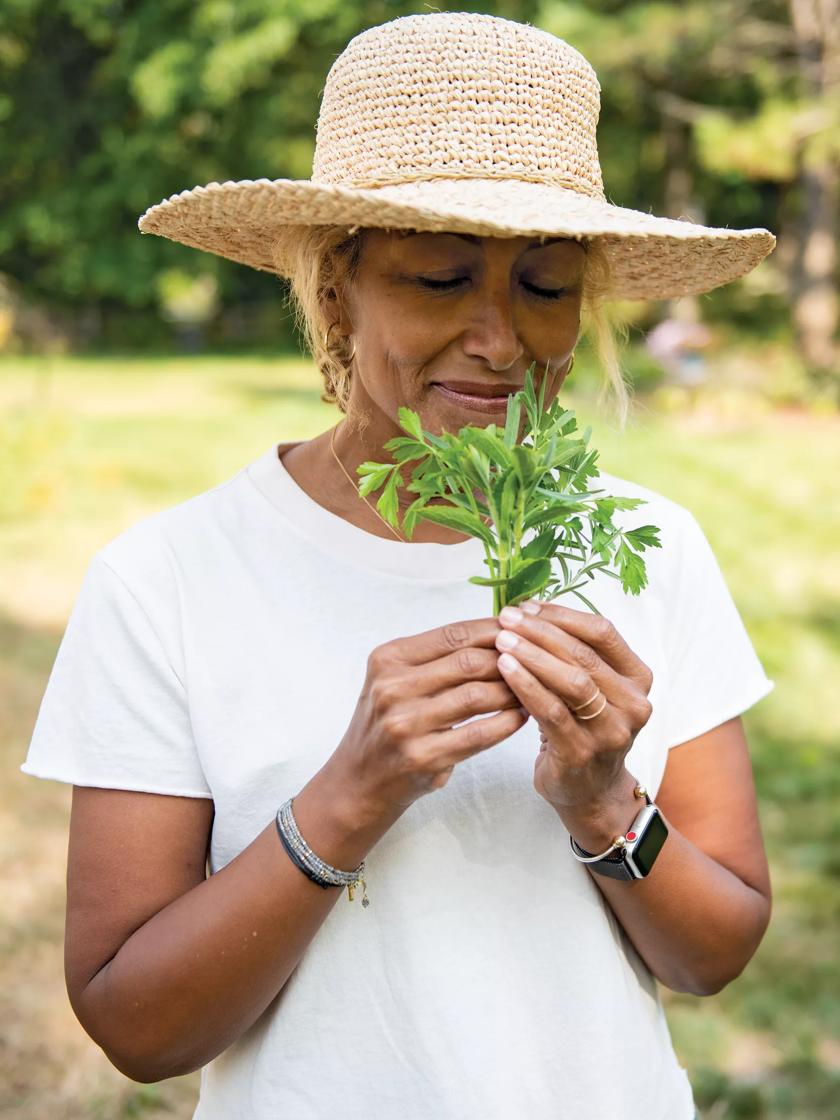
135 373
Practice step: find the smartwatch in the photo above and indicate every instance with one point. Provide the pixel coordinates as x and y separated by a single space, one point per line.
634 854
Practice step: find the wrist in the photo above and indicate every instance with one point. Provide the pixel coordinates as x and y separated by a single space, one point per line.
339 827
596 824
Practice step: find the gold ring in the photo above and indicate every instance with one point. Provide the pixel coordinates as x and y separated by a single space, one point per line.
594 696
594 714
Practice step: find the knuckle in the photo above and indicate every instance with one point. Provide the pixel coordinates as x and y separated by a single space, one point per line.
475 695
580 684
384 692
379 658
455 634
475 735
642 711
468 661
557 713
587 658
415 758
396 724
605 632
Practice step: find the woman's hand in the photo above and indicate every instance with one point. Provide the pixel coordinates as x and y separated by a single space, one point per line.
402 741
563 658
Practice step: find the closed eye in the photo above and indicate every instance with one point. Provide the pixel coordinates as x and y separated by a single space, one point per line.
445 285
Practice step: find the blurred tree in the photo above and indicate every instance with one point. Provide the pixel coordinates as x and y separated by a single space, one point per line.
706 100
109 106
815 313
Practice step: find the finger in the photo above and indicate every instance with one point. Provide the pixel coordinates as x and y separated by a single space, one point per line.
534 631
477 735
465 665
561 681
418 649
599 633
546 706
473 698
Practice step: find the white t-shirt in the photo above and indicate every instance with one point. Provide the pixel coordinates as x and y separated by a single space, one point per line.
218 648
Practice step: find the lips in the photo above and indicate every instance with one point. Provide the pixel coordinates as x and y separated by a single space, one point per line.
479 388
478 401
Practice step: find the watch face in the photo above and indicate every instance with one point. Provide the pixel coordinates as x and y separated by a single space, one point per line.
650 845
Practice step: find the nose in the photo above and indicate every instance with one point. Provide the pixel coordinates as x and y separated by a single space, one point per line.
492 333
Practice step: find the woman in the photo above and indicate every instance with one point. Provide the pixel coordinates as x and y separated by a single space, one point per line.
270 675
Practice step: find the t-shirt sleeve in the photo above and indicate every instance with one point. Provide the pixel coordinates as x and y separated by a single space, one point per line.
714 671
114 713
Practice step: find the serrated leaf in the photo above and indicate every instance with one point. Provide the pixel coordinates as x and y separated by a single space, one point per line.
375 475
631 569
410 422
645 536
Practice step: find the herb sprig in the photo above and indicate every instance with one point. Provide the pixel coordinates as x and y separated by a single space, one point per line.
538 486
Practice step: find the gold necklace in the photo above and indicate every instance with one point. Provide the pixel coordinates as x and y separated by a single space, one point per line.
353 484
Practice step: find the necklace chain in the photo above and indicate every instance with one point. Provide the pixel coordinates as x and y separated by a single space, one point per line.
353 484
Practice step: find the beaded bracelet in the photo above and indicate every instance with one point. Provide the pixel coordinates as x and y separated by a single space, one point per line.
312 865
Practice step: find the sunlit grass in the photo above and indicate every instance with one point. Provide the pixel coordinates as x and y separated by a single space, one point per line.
88 447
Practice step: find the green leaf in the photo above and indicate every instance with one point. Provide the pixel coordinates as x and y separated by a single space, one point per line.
459 519
646 536
540 546
528 580
524 465
514 415
410 422
387 504
631 569
375 473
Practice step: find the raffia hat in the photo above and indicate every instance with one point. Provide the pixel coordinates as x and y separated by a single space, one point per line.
460 122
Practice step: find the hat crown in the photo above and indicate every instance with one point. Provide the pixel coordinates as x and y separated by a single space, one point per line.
459 95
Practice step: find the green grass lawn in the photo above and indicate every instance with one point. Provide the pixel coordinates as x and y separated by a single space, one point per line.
89 446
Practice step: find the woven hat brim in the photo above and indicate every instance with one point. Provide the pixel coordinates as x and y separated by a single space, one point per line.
651 257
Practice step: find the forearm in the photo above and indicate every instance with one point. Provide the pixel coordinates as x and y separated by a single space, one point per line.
194 977
694 923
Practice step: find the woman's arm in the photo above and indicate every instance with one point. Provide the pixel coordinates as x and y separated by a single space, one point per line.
166 968
698 917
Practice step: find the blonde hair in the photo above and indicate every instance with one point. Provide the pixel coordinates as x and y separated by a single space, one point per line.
325 258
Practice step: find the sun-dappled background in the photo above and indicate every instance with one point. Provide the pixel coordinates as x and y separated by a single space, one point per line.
135 373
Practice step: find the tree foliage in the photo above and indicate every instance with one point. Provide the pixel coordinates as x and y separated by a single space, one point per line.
109 106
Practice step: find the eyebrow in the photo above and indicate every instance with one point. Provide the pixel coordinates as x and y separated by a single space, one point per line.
474 239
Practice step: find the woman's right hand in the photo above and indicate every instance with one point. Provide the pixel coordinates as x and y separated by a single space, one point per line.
401 743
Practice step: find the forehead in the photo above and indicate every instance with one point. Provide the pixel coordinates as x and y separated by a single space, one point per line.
411 238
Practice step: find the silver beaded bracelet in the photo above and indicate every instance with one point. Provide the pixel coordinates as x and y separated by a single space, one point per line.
310 863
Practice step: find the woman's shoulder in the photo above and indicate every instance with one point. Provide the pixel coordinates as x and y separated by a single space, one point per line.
155 545
670 512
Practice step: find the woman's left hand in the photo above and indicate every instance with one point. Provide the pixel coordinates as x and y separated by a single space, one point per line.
563 658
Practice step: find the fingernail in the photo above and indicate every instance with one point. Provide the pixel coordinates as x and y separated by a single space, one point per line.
508 662
510 614
530 607
506 640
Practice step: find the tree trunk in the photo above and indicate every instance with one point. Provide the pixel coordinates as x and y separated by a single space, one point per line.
814 296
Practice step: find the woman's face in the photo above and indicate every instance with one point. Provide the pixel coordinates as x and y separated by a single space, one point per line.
430 308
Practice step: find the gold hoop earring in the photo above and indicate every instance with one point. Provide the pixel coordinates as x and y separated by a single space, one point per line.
571 363
327 342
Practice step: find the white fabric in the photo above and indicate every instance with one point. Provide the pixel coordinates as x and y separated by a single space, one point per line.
217 649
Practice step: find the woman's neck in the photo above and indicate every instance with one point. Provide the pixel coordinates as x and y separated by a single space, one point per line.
313 467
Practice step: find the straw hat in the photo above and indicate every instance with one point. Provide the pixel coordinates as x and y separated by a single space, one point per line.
461 122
